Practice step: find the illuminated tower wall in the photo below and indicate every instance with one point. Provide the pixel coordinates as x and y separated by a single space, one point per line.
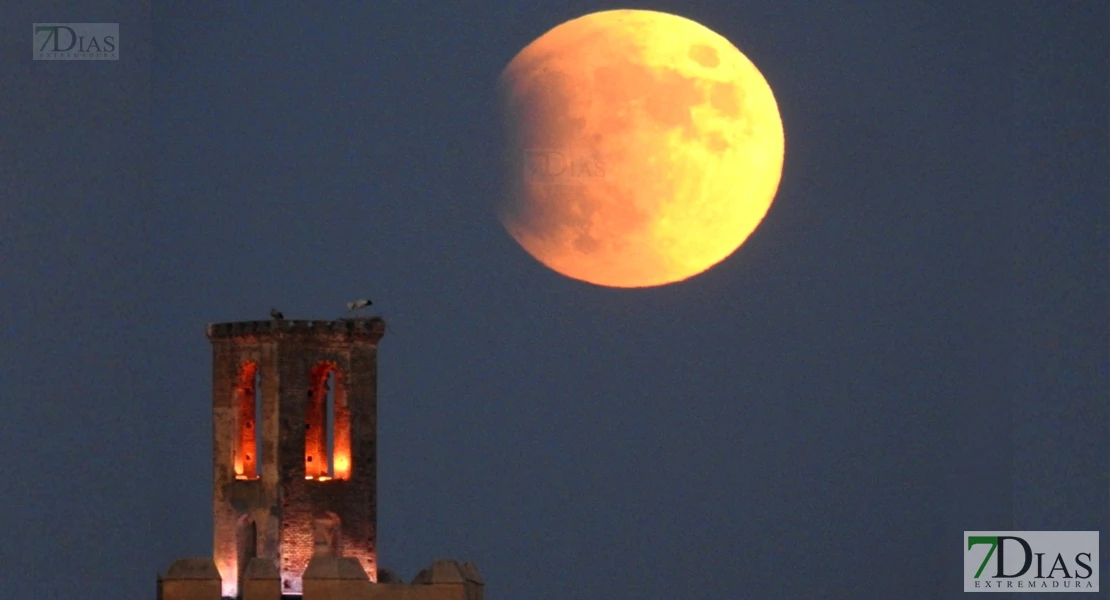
294 406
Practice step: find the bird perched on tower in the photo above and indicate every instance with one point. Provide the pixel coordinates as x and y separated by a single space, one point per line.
356 305
276 314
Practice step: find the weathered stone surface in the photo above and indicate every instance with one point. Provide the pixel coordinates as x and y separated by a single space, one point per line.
191 579
445 579
261 581
447 591
470 572
193 568
440 571
335 578
372 328
282 507
445 570
261 569
335 567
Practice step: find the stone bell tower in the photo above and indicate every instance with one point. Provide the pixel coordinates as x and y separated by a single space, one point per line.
295 445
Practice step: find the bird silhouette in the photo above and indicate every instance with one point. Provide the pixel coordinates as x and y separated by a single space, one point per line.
276 314
355 305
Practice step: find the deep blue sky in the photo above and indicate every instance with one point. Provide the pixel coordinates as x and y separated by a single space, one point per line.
914 342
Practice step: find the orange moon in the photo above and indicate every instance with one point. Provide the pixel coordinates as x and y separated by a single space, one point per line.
641 148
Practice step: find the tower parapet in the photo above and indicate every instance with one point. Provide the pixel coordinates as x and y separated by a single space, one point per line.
372 328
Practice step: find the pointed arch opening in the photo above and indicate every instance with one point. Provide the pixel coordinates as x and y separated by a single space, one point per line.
327 426
248 406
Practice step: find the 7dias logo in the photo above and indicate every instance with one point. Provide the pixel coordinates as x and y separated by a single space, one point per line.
75 41
1030 561
562 166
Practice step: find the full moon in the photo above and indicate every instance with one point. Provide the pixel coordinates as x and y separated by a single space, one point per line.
641 148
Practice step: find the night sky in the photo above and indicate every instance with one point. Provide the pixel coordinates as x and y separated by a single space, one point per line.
913 343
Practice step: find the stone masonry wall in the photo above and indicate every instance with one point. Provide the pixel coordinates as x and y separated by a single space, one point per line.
282 505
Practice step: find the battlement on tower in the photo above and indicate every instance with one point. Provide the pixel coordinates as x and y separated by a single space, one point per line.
371 329
325 578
